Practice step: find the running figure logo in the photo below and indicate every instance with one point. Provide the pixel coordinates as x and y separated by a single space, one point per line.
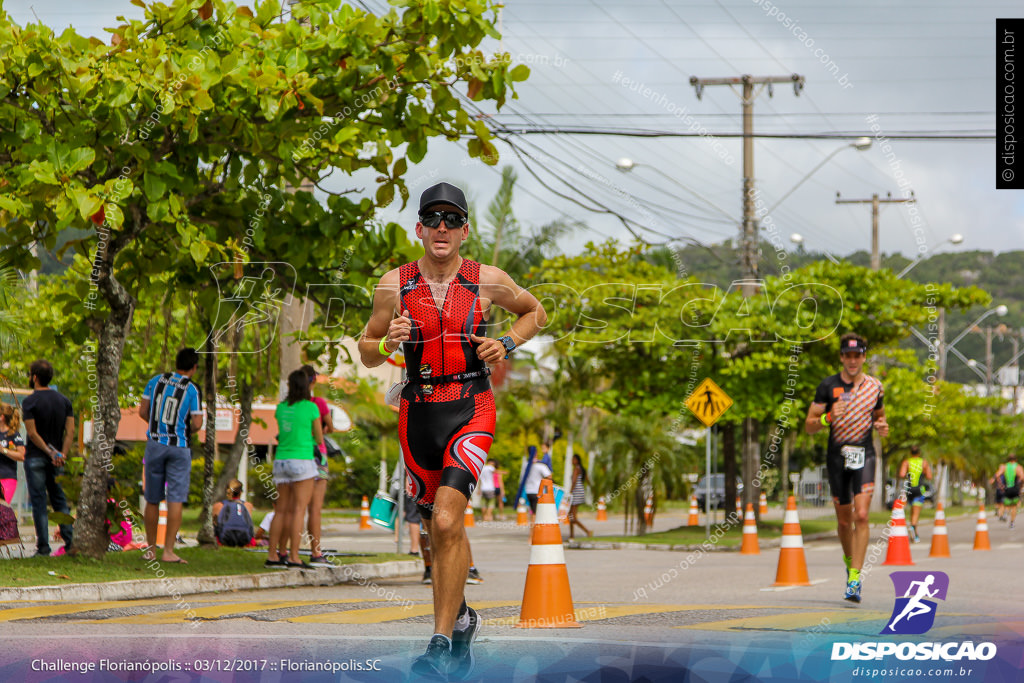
913 612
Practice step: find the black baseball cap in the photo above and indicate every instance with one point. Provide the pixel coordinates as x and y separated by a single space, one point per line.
852 343
443 193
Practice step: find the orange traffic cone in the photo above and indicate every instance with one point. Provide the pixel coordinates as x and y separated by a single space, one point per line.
739 508
981 531
763 505
899 541
563 509
750 546
364 515
792 570
547 600
522 519
602 510
161 529
694 519
468 520
940 536
648 511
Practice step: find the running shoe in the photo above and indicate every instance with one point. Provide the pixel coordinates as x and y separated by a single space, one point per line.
462 647
474 576
436 662
426 576
852 591
913 531
1011 525
297 565
319 561
275 564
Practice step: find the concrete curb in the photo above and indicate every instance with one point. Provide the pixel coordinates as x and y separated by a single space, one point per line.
176 586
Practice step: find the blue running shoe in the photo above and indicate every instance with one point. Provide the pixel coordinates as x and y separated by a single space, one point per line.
436 663
852 591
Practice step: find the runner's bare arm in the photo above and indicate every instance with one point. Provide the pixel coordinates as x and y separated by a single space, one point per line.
812 425
496 285
385 300
904 468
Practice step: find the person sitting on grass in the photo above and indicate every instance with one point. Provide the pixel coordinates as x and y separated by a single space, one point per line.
232 518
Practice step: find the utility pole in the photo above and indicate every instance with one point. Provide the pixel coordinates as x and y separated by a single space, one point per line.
748 233
875 202
941 350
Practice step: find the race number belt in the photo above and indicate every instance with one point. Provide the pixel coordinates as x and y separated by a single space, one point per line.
446 379
853 457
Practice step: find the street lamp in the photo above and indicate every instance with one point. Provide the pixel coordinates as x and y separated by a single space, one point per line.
953 239
625 164
860 144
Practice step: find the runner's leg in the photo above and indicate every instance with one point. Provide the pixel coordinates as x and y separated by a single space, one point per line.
450 556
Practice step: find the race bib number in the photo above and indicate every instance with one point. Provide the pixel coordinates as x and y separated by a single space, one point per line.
853 457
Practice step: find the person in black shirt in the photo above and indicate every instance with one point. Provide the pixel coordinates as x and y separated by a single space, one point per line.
850 405
50 425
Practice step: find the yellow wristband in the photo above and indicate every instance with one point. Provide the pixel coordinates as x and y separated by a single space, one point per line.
383 347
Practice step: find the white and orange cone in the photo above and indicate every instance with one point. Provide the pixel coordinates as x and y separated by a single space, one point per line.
792 570
649 511
547 600
161 529
981 531
739 508
750 545
940 535
763 504
899 542
468 520
364 515
694 519
602 510
522 519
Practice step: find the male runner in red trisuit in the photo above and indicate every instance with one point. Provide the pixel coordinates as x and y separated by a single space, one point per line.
436 307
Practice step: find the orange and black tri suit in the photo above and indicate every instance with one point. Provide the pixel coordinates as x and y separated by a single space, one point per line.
446 415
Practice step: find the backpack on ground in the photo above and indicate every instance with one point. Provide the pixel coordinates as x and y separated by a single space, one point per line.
234 524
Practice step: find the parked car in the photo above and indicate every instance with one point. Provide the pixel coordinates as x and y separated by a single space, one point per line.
717 490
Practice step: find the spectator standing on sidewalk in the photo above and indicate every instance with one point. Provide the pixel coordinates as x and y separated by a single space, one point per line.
172 405
50 425
12 450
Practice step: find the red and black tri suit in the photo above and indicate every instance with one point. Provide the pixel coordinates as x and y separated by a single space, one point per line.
446 415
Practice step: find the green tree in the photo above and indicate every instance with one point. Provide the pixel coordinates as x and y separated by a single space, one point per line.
192 117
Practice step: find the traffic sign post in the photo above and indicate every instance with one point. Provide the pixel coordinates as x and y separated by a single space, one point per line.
708 403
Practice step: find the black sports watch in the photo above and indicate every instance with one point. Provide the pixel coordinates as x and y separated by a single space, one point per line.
509 345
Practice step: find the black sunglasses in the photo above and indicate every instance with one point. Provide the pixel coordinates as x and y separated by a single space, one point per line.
432 219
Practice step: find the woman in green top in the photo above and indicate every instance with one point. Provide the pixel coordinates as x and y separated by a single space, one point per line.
298 424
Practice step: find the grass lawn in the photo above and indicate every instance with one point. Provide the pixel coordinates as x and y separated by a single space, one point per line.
129 565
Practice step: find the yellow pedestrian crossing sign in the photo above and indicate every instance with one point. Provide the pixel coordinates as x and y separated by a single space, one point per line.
708 402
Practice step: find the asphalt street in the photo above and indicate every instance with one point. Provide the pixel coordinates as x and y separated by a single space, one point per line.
665 609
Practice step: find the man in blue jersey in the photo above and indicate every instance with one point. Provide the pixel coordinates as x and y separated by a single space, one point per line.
50 426
172 405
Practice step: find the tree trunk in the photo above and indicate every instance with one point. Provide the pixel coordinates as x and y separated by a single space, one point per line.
728 432
240 447
90 534
638 498
206 535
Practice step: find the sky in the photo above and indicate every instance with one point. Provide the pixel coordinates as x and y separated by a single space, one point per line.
870 68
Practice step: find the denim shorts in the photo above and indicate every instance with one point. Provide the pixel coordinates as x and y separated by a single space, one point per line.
167 467
291 470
